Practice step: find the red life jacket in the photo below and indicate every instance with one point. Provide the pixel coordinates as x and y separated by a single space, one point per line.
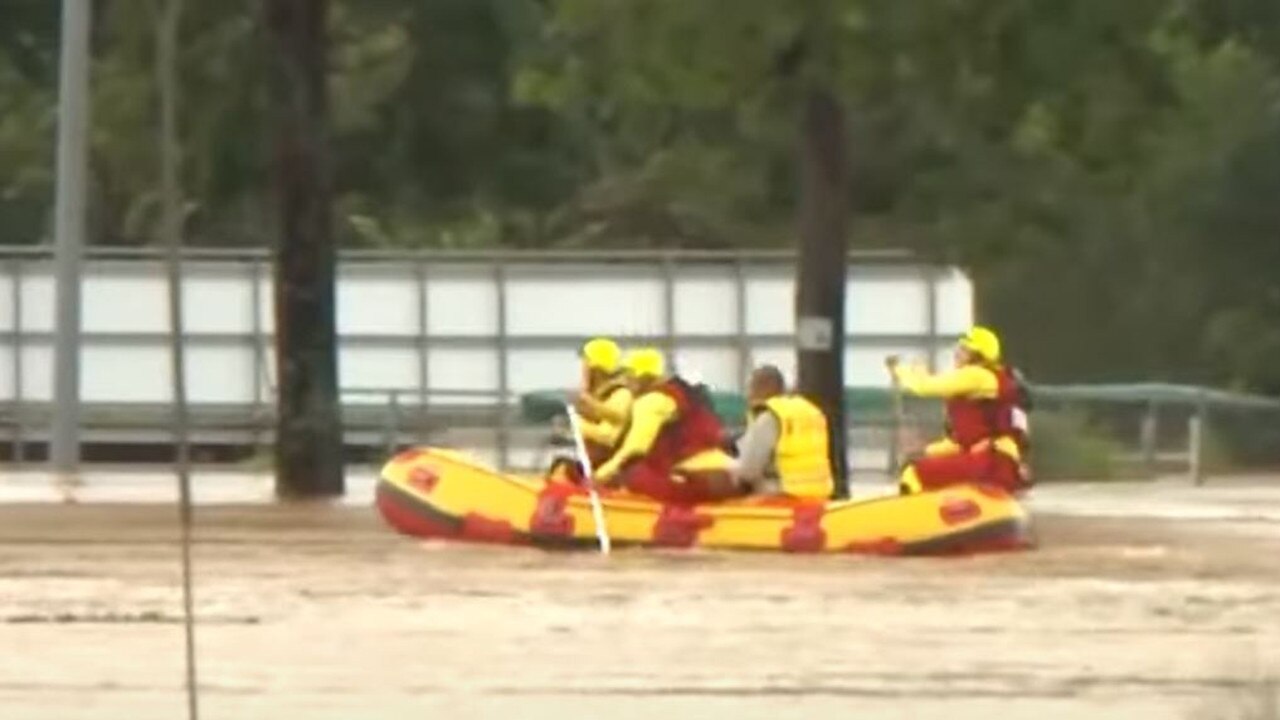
971 420
694 429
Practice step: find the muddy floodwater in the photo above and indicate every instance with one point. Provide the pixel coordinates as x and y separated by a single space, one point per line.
319 612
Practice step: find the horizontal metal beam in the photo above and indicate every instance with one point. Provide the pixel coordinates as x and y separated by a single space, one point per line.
38 252
409 341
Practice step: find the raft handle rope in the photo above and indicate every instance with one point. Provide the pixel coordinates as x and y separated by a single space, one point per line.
597 509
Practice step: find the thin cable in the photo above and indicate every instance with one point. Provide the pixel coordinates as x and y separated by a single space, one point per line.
168 21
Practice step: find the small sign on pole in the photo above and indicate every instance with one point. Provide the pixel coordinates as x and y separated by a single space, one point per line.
814 333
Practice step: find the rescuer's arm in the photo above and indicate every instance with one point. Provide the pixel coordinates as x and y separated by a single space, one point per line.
968 381
617 407
945 446
613 409
649 413
756 448
600 433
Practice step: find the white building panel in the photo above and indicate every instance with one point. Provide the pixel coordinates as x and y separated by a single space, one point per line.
378 301
37 371
364 368
219 375
461 369
706 302
462 300
540 369
718 367
124 299
37 300
583 301
119 373
883 304
216 299
771 303
7 378
7 316
954 303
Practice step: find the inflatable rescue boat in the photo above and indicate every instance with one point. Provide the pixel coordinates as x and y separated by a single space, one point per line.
437 493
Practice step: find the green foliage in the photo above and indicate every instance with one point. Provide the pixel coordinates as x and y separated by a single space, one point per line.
1068 447
1217 452
1240 440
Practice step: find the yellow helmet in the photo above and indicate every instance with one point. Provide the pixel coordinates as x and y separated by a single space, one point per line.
602 354
982 342
645 362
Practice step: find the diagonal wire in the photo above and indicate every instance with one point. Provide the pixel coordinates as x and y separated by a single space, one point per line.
168 16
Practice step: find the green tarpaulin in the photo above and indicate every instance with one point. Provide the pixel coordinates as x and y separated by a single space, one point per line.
542 405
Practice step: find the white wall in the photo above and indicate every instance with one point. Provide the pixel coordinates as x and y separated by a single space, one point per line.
383 309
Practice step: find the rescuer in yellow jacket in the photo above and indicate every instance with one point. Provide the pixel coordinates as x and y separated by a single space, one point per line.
671 450
605 399
987 429
785 447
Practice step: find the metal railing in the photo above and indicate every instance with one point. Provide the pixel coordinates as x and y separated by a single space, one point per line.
432 403
1159 427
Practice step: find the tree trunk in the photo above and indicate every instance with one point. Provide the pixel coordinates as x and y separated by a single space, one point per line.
309 425
820 284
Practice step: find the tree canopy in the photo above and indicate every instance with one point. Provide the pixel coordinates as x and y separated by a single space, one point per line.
1107 171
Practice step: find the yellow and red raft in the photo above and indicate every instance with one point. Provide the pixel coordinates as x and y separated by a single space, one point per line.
437 493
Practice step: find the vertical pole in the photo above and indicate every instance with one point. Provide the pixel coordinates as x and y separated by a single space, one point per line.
504 387
931 315
310 442
19 441
1195 447
1149 435
1197 426
391 429
167 27
896 422
424 363
259 356
823 268
669 310
740 299
69 232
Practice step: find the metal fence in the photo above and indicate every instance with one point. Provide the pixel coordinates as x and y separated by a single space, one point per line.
435 346
1158 429
1126 431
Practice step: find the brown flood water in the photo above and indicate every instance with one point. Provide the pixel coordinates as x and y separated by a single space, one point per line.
321 613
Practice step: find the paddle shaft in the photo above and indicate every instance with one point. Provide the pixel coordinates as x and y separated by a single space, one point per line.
597 509
899 413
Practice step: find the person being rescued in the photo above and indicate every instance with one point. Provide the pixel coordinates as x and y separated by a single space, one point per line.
987 431
784 450
604 402
671 449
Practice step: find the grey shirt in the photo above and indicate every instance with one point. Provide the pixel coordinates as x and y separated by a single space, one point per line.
755 454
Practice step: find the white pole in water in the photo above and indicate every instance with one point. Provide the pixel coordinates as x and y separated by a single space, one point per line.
69 231
168 24
1195 448
597 509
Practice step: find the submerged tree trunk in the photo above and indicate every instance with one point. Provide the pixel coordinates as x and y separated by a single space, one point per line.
820 283
309 425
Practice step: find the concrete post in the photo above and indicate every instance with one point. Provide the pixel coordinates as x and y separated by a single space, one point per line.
69 231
